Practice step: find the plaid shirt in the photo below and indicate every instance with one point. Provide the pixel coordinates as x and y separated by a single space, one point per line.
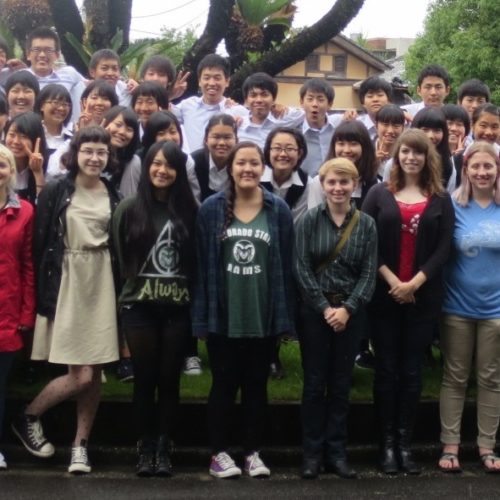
354 270
209 305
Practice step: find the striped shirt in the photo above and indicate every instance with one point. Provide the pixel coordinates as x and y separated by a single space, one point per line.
354 270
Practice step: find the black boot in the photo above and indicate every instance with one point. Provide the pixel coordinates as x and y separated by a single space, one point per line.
163 463
385 410
408 404
387 460
146 458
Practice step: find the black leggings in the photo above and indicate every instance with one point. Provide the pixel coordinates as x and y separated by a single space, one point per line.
156 336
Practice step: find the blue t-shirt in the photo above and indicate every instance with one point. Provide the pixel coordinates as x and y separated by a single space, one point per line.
472 277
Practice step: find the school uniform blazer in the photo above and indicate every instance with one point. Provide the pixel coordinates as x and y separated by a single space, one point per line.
209 308
433 245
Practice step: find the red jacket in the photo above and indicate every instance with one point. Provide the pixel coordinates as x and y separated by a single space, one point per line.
17 282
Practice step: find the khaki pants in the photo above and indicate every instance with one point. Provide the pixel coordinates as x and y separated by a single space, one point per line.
461 339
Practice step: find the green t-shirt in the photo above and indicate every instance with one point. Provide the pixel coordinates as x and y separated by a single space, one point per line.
245 258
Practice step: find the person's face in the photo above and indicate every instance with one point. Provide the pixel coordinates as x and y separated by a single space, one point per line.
169 134
108 70
96 105
213 82
6 173
487 128
316 106
220 140
482 172
374 100
161 174
338 188
154 75
42 55
471 102
55 111
284 154
18 143
247 169
411 161
389 132
121 133
92 158
433 91
144 107
351 150
3 58
434 134
21 98
259 102
456 131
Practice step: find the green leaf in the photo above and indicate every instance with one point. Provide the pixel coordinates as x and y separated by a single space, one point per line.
85 52
255 12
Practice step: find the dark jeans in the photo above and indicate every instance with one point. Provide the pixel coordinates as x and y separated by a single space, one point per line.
401 334
327 361
6 359
156 336
238 363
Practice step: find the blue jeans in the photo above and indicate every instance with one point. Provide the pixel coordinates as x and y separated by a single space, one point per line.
328 361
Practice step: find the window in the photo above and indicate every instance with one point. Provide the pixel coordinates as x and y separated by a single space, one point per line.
340 65
312 62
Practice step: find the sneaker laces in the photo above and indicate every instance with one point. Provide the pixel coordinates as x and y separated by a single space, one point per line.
224 460
254 460
79 455
35 432
193 362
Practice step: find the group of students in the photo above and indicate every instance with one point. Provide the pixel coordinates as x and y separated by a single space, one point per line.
216 197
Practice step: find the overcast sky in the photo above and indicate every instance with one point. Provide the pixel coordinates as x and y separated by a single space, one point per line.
387 18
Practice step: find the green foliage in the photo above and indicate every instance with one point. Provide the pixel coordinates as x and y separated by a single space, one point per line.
258 12
464 37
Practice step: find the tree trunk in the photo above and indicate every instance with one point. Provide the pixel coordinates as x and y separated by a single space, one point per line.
98 23
300 46
67 19
120 16
219 15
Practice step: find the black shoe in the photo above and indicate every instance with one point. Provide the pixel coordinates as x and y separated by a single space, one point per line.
163 463
145 467
365 359
388 463
406 462
310 468
276 371
125 371
341 468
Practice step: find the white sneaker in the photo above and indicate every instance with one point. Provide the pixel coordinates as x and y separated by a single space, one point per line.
223 466
255 467
3 463
192 366
79 460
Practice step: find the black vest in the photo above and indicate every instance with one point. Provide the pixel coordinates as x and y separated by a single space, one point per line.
294 192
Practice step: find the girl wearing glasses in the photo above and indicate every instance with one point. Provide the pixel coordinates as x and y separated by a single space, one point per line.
76 318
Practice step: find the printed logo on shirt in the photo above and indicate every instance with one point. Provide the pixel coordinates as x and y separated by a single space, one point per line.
487 235
243 252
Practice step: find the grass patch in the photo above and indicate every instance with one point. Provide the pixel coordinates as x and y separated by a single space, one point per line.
196 388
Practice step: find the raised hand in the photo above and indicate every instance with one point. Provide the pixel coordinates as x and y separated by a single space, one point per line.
180 84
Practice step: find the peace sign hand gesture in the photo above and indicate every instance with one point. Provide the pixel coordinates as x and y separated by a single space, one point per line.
35 161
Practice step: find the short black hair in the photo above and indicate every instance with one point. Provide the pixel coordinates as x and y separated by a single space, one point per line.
485 108
43 32
474 88
319 86
436 71
214 61
24 77
453 112
261 81
390 113
130 118
103 89
50 92
161 64
221 119
151 89
372 84
158 121
296 134
102 54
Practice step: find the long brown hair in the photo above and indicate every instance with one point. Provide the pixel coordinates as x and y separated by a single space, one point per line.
430 176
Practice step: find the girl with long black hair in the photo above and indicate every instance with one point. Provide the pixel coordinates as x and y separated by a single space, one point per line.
153 233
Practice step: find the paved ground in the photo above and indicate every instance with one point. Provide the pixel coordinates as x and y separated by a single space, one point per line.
113 478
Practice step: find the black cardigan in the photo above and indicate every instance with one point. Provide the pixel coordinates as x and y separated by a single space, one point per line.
435 232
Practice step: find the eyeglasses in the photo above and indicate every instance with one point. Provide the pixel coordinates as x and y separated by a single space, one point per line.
100 153
59 104
38 50
288 150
